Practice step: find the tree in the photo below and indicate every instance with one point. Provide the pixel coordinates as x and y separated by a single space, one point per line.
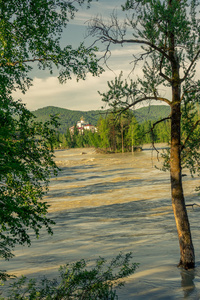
124 124
103 131
169 33
30 32
133 135
68 138
26 165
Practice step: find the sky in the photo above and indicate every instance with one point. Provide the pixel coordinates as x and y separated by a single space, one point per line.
82 95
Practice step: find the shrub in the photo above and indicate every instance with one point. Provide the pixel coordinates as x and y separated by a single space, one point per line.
77 282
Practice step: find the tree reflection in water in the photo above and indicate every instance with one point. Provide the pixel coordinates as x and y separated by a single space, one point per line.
187 283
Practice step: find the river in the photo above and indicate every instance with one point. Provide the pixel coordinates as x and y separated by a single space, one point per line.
106 203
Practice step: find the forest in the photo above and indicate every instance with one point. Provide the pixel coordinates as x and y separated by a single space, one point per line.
116 133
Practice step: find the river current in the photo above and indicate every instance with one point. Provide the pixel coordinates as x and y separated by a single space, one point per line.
106 203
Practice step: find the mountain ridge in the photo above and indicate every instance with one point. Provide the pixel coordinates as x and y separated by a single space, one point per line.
69 117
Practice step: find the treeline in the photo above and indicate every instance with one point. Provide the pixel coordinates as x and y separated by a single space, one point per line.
68 118
116 133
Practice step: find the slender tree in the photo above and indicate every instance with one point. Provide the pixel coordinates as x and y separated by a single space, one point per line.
169 35
103 130
133 135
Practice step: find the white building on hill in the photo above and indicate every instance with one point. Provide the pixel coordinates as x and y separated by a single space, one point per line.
83 125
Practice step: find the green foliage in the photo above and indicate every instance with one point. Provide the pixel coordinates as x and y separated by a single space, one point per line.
118 133
151 113
26 164
157 134
30 32
115 131
103 130
169 34
134 135
67 118
77 282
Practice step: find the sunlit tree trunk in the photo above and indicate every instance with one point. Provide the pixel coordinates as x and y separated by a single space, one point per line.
187 257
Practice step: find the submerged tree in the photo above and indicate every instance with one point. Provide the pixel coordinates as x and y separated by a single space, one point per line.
169 35
30 32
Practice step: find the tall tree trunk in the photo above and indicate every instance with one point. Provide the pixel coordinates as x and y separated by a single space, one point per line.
187 257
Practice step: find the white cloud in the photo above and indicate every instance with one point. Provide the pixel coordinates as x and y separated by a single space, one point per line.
82 95
74 95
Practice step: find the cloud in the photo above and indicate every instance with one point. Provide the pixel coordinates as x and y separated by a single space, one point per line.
102 8
74 95
82 95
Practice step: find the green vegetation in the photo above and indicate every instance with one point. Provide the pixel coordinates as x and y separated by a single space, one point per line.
77 282
31 33
116 133
151 113
166 35
26 164
68 118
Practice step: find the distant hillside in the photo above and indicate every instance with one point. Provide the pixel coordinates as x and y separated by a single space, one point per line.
67 117
70 117
152 113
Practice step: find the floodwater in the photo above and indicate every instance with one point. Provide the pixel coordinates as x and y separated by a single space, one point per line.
106 203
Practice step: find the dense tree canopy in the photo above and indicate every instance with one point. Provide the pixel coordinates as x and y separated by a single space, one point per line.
30 32
26 161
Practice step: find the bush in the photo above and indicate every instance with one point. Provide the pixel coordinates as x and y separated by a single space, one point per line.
77 282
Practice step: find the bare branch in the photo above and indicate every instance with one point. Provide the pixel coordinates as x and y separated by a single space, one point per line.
141 100
192 205
162 120
140 57
113 33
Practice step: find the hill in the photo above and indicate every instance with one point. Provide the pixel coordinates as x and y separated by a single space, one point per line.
70 117
67 117
151 113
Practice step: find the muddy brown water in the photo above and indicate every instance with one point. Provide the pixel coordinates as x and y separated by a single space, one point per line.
106 203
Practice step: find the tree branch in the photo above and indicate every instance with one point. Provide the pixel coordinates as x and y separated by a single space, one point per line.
161 73
151 98
152 128
13 64
191 131
162 120
112 33
136 41
191 89
192 205
190 66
